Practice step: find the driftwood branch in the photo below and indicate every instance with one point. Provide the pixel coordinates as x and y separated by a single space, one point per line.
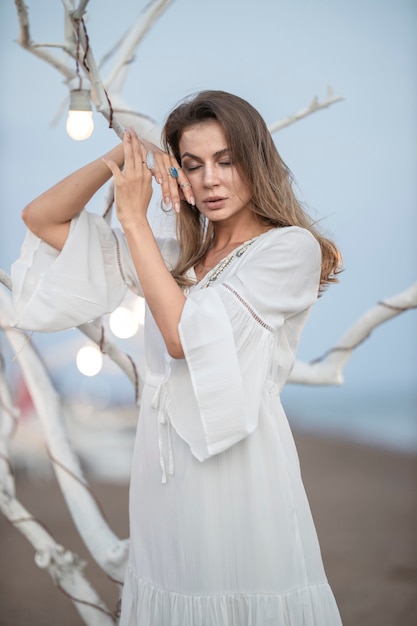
8 425
25 41
105 547
65 567
81 9
106 95
314 106
128 43
328 369
5 279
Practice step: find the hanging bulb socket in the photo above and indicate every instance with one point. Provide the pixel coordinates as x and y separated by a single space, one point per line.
80 122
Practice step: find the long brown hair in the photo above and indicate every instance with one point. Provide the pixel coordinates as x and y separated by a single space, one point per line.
258 162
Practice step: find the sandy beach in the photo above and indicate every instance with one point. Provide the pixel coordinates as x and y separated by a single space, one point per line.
365 507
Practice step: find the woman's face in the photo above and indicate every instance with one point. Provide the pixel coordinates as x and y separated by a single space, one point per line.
218 189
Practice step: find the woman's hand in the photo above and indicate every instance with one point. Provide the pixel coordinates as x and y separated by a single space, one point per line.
164 167
133 184
133 188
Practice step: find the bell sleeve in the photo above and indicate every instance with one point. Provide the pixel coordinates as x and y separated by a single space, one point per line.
230 333
55 290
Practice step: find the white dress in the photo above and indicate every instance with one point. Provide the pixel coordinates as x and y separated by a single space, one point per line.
221 530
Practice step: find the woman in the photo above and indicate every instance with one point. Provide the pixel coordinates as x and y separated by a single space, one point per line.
221 530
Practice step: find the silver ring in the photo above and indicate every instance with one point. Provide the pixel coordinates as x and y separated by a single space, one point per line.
185 185
150 161
173 172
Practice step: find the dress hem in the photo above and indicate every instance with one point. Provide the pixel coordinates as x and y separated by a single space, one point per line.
144 604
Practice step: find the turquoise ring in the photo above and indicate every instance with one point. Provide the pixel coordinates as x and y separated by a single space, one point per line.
173 172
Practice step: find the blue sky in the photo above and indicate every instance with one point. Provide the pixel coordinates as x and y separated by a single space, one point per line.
355 164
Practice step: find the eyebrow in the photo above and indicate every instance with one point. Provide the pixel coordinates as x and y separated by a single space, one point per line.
217 154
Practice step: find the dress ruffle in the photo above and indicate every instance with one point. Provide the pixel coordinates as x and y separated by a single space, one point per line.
145 605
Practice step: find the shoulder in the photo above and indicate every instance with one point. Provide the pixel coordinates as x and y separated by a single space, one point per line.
289 238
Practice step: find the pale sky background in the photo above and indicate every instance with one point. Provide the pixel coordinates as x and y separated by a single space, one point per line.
355 163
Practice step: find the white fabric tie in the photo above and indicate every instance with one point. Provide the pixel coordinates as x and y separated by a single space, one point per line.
160 403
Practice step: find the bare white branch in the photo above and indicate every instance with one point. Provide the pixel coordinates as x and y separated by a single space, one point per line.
105 547
128 43
25 41
65 567
315 105
8 424
81 9
5 279
145 126
328 369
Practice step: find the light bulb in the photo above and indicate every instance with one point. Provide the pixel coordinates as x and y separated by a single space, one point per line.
80 123
89 360
123 322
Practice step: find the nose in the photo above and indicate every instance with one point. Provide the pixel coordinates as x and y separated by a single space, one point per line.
210 177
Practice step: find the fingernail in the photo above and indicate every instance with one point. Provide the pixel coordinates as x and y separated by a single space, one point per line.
160 181
167 202
177 207
192 200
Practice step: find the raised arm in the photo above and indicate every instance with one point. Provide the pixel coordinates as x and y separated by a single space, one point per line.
49 215
133 191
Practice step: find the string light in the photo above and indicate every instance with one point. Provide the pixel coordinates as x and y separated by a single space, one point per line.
123 322
80 122
89 360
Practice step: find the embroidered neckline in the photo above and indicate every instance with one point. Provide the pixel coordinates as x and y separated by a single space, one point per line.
218 269
221 266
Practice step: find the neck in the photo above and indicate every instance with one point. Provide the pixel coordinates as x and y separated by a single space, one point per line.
231 235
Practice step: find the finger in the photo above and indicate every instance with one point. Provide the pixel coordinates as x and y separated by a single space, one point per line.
185 187
137 150
169 175
142 156
129 162
173 186
113 167
152 163
162 165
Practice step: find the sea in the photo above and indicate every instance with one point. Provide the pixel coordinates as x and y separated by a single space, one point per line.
383 417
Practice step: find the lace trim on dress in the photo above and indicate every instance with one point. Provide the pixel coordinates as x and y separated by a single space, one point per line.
247 306
118 257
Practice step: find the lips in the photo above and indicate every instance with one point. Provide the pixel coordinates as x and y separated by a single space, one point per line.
214 202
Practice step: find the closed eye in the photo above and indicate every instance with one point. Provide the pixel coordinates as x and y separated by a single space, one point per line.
191 168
